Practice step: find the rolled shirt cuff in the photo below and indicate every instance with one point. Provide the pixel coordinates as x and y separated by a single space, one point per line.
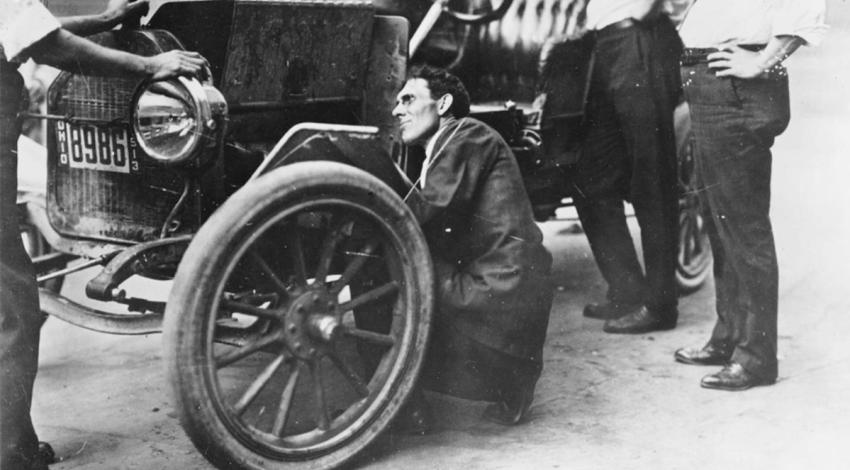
803 18
812 35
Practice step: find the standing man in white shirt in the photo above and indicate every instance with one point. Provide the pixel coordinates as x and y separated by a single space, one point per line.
737 90
630 154
27 29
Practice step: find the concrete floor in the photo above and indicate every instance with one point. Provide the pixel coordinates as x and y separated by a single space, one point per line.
603 401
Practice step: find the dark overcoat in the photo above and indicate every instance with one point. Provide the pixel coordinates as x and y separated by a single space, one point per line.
492 271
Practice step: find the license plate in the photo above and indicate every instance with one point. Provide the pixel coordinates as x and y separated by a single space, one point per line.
90 147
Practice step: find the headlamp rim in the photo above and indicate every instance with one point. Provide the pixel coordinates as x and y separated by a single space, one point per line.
201 108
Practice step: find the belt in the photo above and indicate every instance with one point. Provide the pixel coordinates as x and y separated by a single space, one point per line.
699 55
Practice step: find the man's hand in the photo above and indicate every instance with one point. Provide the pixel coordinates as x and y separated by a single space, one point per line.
173 63
737 62
122 10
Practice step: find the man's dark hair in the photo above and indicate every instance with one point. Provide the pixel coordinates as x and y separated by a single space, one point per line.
441 82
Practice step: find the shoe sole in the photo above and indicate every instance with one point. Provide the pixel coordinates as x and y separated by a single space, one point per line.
717 362
757 383
734 389
632 331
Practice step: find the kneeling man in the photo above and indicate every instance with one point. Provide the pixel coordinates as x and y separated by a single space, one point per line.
493 290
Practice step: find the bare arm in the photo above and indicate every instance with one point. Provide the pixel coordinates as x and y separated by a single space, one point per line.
116 12
742 63
67 51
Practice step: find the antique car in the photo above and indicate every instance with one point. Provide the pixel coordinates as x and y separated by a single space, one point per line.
271 193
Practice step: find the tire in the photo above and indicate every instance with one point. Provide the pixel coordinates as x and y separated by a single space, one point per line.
35 245
693 260
479 18
252 261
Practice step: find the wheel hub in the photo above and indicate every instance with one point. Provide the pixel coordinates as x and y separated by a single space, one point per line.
310 323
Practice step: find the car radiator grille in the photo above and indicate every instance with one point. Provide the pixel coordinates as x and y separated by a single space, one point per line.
98 202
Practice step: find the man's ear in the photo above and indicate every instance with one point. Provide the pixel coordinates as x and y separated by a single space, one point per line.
444 103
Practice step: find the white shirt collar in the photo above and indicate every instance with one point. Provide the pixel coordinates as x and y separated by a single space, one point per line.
429 155
432 142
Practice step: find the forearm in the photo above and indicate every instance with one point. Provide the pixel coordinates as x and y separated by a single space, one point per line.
69 52
85 25
777 50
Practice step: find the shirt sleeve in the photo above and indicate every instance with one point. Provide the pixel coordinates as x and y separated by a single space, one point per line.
22 24
803 18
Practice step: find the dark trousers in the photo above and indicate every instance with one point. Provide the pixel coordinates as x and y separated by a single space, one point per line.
460 366
734 123
19 312
630 154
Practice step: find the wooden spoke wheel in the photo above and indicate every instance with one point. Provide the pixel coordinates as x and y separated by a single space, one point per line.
290 259
694 259
475 12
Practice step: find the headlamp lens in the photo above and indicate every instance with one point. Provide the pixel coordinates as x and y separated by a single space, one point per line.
167 121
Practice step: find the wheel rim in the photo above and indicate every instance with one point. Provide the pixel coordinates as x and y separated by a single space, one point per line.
694 256
694 249
477 17
306 306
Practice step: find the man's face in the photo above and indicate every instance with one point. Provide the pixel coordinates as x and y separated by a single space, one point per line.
417 112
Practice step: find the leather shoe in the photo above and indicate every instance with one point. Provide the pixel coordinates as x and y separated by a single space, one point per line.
45 453
708 355
415 418
608 310
513 406
638 321
733 378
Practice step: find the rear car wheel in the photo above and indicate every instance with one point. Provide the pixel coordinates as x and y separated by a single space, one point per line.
694 258
460 12
291 256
